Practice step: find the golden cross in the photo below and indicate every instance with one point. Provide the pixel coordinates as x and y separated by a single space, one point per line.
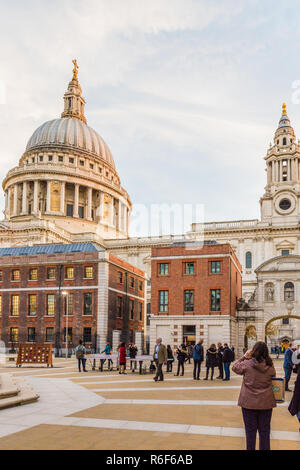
75 70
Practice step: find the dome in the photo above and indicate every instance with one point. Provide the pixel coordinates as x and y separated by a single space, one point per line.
72 134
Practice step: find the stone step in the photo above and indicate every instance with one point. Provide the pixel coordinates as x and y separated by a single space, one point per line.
25 393
8 386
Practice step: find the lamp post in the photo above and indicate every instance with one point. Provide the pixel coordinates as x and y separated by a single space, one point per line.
65 294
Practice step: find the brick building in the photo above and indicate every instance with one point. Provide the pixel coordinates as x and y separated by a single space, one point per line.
46 288
194 293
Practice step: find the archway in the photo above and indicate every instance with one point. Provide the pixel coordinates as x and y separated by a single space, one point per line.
283 339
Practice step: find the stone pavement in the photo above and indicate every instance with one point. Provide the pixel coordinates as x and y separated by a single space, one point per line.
109 411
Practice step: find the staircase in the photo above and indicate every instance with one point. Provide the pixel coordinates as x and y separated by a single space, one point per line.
15 391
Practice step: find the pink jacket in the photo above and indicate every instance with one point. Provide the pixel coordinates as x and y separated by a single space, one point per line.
257 391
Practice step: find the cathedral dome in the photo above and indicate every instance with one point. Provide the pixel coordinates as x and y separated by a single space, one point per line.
70 133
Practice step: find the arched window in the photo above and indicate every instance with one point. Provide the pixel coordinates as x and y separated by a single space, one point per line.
284 141
248 260
289 291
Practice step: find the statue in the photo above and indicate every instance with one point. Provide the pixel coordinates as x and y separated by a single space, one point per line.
270 294
75 70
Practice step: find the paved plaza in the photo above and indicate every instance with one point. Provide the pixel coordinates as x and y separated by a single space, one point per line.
109 411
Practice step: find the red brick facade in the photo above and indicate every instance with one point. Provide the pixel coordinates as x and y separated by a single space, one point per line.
37 308
201 281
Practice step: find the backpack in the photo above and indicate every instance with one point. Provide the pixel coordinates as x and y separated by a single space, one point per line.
79 354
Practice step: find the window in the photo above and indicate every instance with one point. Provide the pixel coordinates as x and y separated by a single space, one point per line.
1 276
164 269
31 335
14 335
49 335
89 272
132 282
189 268
16 276
285 321
288 291
141 285
33 274
163 301
81 162
41 158
60 159
71 160
91 166
69 273
284 141
32 305
87 307
51 274
87 335
70 210
70 335
69 304
50 158
285 204
188 300
81 212
140 311
215 267
215 300
285 252
120 277
0 305
15 302
120 307
50 305
131 309
248 260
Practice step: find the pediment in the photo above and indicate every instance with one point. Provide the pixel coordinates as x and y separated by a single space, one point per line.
285 245
280 263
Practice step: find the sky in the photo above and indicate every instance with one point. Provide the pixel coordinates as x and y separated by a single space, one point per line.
186 93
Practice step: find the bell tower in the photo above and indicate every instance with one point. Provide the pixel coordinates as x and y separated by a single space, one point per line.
74 103
280 203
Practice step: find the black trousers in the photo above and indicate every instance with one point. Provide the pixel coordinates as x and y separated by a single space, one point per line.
257 420
221 370
170 365
159 372
197 368
212 372
180 366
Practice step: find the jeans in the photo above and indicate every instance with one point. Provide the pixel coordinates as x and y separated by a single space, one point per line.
227 370
257 420
287 376
197 368
83 361
180 365
212 372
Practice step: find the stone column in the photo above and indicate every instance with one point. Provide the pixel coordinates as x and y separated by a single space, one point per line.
289 170
111 213
280 171
89 203
120 228
24 198
35 197
76 200
125 218
48 198
139 342
101 207
15 212
62 197
116 338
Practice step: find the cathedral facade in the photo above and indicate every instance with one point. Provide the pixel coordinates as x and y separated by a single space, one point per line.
66 189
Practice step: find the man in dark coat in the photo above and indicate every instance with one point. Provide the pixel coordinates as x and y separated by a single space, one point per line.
294 407
227 360
220 361
288 366
198 355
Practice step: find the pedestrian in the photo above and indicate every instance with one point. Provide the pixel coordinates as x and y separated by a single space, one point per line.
220 361
182 355
277 351
160 357
190 353
80 352
228 358
288 366
256 397
296 359
233 352
122 358
211 361
294 406
198 355
170 359
107 350
132 354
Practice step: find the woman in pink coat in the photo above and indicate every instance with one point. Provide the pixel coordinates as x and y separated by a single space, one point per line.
257 398
122 358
